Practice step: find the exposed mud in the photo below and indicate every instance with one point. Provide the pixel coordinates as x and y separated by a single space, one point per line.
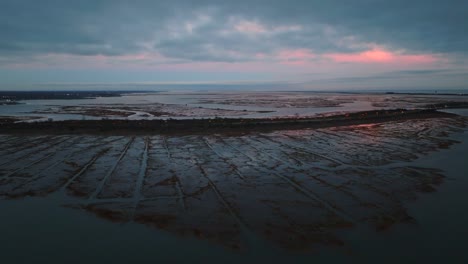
293 188
279 100
220 104
145 111
324 100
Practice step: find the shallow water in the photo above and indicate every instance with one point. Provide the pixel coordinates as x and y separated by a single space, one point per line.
219 104
440 234
41 229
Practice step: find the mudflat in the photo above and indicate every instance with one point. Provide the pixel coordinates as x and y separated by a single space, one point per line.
295 188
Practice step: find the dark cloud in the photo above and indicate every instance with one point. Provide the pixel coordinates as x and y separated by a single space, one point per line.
206 30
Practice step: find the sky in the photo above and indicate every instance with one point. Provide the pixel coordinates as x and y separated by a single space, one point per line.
297 44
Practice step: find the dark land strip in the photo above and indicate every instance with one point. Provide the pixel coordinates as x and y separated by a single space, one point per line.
216 125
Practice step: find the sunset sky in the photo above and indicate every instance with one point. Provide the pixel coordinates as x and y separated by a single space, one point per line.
307 44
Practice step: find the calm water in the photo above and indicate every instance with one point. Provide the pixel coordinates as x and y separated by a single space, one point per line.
40 230
214 100
194 100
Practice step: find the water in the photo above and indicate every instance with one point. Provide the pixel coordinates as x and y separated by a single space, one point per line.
244 105
41 230
441 233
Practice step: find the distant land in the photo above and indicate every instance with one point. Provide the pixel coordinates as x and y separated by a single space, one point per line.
261 86
217 125
55 95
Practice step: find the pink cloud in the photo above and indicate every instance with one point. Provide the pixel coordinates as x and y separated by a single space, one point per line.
297 54
281 63
378 55
249 27
260 56
296 57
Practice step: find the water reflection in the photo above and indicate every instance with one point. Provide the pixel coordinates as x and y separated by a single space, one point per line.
295 189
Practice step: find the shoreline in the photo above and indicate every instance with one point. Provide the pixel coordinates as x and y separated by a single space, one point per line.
215 125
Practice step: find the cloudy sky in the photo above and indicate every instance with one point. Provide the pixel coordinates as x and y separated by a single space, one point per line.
417 44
